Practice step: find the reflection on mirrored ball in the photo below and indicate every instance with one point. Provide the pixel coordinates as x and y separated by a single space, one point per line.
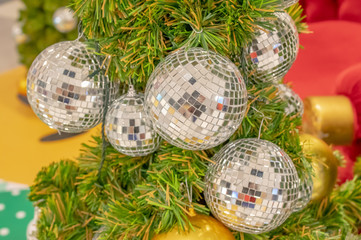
196 99
60 91
252 187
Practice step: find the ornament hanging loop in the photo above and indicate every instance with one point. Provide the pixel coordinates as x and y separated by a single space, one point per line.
189 194
263 118
131 90
80 31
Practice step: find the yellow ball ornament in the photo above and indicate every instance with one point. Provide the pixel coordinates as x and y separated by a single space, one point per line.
205 228
324 164
22 87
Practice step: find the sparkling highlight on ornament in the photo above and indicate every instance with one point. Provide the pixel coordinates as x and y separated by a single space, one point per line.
252 187
205 228
271 53
64 20
294 102
305 193
128 128
196 99
60 91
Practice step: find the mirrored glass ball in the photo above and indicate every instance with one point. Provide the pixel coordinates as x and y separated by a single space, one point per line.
128 128
252 187
287 3
305 193
196 99
271 53
294 102
64 19
60 91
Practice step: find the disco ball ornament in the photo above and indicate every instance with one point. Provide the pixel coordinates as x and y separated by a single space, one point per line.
305 193
294 102
60 91
196 99
64 20
287 3
252 187
128 128
271 53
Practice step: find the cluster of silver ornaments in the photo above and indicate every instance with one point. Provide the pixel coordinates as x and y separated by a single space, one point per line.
294 102
62 93
128 128
252 187
196 99
271 53
305 193
287 3
64 19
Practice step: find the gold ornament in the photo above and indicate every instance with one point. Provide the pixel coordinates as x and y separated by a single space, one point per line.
205 228
330 118
324 164
22 87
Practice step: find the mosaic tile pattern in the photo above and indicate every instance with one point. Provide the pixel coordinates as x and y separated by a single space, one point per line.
128 128
304 194
196 99
295 103
253 187
287 3
60 91
271 54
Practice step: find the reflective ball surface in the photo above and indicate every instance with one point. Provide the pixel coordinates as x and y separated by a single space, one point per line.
196 99
287 3
252 187
128 128
64 20
294 102
271 53
305 193
60 91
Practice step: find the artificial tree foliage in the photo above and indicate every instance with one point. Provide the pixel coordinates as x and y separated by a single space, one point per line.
37 23
135 198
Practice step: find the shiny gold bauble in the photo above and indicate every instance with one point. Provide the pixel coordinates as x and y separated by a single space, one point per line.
22 87
330 118
324 164
205 228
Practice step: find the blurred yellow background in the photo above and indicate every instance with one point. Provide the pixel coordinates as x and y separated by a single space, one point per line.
22 154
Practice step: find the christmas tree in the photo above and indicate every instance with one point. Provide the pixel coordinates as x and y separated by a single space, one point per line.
215 133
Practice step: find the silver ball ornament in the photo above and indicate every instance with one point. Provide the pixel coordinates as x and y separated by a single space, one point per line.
271 53
287 3
64 19
196 99
252 187
294 102
128 128
19 36
305 193
62 93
